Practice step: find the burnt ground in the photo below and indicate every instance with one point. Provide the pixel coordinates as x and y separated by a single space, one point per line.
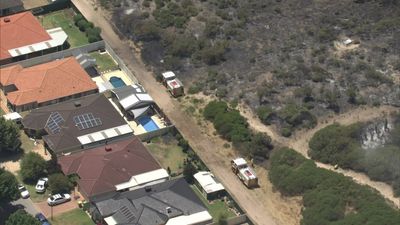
276 52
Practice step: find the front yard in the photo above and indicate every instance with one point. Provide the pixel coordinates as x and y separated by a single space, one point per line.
73 217
64 19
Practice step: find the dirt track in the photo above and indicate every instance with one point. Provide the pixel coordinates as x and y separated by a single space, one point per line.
262 205
299 141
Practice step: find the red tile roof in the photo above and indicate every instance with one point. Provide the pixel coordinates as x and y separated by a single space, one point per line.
22 29
100 170
45 82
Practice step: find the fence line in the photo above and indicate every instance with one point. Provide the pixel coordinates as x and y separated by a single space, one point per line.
234 220
59 55
121 63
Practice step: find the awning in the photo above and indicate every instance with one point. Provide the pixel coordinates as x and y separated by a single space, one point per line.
138 112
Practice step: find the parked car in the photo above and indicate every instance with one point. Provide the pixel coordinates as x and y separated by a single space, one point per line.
24 192
58 199
42 219
41 185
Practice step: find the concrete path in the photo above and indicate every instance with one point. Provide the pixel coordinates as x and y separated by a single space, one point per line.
27 205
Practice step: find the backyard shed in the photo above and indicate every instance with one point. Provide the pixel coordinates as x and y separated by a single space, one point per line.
208 185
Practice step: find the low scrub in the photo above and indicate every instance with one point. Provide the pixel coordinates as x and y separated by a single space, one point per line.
329 198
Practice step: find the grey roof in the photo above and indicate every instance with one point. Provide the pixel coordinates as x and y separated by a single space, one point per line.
148 206
65 139
128 90
133 93
5 4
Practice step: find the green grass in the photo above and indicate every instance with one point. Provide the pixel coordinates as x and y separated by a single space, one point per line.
216 208
35 197
169 155
27 144
73 217
2 112
64 19
104 61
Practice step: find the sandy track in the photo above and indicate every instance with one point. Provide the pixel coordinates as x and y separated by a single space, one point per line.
299 141
262 205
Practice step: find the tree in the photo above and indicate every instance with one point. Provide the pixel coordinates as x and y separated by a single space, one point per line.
188 171
9 136
33 166
8 186
20 217
58 183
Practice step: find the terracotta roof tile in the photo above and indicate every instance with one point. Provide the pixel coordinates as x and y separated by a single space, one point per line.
22 29
45 82
100 170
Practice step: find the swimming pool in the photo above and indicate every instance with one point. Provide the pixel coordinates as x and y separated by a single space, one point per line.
148 123
117 82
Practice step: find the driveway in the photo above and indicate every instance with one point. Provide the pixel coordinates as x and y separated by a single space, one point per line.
58 209
27 205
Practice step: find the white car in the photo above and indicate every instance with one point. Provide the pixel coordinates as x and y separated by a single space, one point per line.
41 185
58 199
24 192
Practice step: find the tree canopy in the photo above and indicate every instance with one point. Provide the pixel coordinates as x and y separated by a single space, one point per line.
58 183
33 167
8 186
9 136
20 217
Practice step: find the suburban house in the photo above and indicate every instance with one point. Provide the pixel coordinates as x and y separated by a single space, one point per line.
76 125
10 7
133 99
22 37
118 166
208 185
45 84
172 202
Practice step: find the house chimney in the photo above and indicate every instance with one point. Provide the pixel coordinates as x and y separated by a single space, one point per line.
77 103
108 149
7 20
168 210
147 189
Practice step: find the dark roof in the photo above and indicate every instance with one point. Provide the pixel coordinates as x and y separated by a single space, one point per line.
65 139
100 170
148 206
5 4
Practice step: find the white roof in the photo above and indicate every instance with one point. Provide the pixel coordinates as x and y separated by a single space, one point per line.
129 101
168 74
58 38
109 133
195 218
144 97
207 181
12 116
240 161
347 41
143 178
139 111
110 220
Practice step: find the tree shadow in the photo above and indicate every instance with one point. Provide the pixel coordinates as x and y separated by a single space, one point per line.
6 209
11 156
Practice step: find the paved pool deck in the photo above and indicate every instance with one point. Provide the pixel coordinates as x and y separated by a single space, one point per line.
117 73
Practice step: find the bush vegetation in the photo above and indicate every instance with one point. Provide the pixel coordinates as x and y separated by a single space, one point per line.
92 32
341 145
21 217
59 183
8 186
233 127
329 198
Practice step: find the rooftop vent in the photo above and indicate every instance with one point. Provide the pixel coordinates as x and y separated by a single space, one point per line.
7 20
108 149
168 209
77 103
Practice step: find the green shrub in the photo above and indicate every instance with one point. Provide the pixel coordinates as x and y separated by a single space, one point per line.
265 113
58 183
33 166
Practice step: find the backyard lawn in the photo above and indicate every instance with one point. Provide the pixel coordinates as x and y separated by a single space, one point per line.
64 19
217 208
73 217
168 154
35 197
104 61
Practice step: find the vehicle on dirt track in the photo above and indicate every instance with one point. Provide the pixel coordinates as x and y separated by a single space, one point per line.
245 173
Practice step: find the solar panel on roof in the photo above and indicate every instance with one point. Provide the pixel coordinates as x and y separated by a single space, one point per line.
53 123
87 120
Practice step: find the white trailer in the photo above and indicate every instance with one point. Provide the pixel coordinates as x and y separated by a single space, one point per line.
245 173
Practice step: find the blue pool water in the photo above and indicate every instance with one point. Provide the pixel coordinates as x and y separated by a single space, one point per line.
117 82
148 123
